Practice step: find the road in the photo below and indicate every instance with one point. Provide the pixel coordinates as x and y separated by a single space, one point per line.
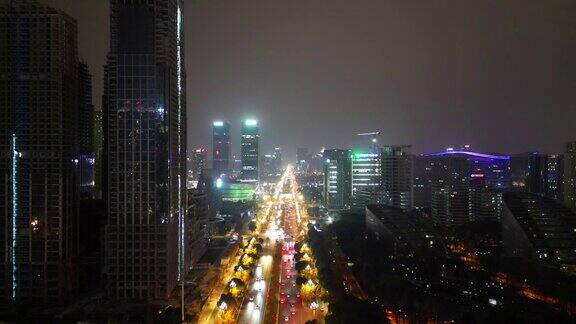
292 310
279 222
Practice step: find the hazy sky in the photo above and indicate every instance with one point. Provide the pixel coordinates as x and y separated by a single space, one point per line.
500 75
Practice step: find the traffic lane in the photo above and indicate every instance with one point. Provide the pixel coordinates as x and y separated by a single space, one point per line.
254 306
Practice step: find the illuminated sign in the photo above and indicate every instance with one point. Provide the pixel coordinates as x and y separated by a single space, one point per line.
251 122
218 124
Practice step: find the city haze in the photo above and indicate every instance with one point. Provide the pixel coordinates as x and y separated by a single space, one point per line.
497 75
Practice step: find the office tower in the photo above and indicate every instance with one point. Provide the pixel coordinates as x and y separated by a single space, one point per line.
267 170
86 158
554 177
537 173
366 175
250 141
540 229
451 175
271 165
422 186
316 163
302 160
277 161
337 179
221 147
198 163
40 141
145 129
98 154
485 203
569 180
397 176
197 214
366 179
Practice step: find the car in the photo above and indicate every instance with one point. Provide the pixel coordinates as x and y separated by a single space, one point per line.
293 311
251 298
286 318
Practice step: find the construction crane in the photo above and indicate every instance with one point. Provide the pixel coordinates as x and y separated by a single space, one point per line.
373 134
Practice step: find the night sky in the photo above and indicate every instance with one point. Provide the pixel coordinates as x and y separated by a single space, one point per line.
500 75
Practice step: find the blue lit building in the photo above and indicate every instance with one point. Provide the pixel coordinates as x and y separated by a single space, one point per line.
451 183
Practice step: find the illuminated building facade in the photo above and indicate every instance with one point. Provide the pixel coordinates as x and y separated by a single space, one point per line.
250 141
145 132
448 177
366 173
43 103
337 179
221 147
366 178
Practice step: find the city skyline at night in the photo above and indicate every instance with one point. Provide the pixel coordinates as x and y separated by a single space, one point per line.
303 162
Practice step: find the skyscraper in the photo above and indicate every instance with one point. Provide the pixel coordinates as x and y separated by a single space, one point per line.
250 132
397 176
86 158
221 147
337 179
98 154
277 161
42 107
569 180
145 129
197 163
302 160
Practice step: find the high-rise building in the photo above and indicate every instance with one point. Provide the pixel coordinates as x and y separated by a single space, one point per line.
569 178
221 150
302 160
44 100
366 174
197 163
86 158
98 154
267 170
337 179
485 203
145 130
366 179
449 178
277 161
250 132
397 177
197 236
537 173
271 165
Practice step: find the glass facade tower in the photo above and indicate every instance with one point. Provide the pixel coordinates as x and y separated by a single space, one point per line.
145 133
